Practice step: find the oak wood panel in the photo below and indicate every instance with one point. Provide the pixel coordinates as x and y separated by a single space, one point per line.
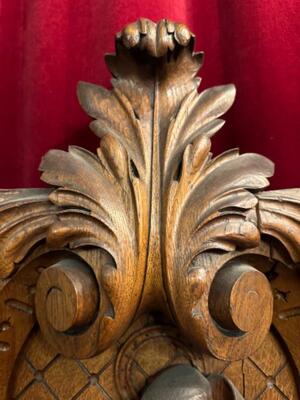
151 243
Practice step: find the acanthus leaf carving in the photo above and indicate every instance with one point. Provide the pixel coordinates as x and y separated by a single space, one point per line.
155 215
25 216
104 217
279 217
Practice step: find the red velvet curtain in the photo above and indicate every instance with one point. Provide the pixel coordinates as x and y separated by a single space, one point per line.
48 45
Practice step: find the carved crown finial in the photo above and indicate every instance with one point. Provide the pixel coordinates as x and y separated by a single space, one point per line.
156 39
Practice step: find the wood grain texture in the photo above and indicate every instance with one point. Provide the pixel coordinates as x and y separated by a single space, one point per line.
237 292
150 223
148 348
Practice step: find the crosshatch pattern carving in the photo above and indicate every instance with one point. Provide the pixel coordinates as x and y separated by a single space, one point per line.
130 364
150 224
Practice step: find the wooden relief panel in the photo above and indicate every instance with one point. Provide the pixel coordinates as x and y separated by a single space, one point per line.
126 368
151 269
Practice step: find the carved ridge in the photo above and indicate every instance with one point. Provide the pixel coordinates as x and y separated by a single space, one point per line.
152 215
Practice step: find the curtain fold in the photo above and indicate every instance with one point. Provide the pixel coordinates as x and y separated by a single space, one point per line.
47 46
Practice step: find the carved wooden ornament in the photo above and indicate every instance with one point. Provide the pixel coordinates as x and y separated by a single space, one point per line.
152 224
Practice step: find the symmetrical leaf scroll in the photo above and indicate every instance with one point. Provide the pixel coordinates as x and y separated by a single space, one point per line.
152 221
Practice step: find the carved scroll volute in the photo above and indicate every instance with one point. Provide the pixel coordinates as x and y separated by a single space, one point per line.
66 305
152 221
110 202
204 211
198 204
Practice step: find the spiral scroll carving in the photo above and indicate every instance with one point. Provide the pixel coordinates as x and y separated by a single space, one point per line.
67 303
230 306
152 221
240 299
67 296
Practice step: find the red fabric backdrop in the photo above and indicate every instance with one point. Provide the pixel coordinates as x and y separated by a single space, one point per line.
48 45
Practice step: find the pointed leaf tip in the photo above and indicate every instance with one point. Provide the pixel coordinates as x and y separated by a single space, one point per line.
81 87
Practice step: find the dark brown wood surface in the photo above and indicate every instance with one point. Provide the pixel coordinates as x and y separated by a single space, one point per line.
151 252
